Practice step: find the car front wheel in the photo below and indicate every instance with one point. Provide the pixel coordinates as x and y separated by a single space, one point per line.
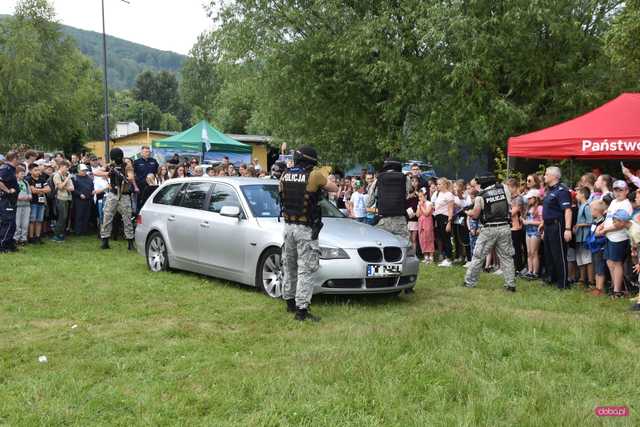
157 258
270 275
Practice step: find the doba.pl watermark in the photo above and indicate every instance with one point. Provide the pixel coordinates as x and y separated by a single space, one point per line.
612 411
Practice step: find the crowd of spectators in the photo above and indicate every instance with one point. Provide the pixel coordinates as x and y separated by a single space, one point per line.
600 248
61 196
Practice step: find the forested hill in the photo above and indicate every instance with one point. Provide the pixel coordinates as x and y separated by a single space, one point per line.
125 59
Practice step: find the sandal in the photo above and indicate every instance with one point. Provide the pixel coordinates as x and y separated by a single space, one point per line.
597 292
617 295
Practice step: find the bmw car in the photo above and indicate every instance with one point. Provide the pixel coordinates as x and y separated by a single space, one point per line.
230 228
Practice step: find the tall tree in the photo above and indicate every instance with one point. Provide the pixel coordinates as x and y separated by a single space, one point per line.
49 92
413 77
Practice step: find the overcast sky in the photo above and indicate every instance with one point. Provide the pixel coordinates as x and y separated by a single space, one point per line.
163 24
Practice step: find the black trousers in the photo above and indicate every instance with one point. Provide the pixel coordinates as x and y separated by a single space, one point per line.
461 238
7 224
82 214
555 253
443 236
520 248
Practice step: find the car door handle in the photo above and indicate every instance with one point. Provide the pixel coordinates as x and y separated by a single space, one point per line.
171 218
204 224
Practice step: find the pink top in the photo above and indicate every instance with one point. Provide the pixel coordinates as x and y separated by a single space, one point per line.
441 204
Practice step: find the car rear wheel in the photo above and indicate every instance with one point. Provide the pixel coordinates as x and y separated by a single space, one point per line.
157 258
270 275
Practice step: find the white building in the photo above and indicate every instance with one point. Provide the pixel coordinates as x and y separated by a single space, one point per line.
125 128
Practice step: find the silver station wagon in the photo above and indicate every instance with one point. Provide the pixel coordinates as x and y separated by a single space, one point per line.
231 228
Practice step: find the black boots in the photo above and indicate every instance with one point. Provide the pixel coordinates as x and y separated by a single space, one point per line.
291 305
131 245
105 243
303 314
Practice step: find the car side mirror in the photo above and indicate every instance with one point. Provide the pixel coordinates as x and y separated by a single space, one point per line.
230 211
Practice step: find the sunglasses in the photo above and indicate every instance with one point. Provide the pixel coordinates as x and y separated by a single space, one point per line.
618 189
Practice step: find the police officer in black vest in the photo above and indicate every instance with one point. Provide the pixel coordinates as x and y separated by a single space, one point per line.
556 216
492 208
390 198
8 200
300 188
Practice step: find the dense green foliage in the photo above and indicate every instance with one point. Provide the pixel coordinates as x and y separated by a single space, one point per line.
50 93
182 349
410 78
162 90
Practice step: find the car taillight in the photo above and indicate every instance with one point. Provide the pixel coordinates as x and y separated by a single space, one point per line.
139 219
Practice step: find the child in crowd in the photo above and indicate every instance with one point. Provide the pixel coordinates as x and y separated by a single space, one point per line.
412 211
39 189
532 222
358 203
23 208
617 246
425 227
473 224
581 232
63 183
596 241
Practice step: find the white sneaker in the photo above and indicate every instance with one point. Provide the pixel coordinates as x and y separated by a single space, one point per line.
498 272
467 264
445 263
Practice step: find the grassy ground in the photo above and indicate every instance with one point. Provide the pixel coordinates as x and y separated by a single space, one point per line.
177 348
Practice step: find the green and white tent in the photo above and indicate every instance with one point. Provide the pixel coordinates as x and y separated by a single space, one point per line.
202 141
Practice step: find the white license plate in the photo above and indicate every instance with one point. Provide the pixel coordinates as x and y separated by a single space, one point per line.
383 270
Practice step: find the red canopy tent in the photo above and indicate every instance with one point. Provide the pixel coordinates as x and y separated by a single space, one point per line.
611 131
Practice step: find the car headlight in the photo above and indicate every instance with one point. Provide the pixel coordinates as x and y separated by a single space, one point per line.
333 253
411 251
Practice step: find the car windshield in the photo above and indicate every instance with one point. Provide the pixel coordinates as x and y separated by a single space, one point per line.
264 201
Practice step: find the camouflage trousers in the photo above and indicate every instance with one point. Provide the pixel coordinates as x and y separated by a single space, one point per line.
300 259
113 205
395 225
489 238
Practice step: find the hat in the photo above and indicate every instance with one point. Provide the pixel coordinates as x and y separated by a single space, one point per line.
620 184
621 215
40 162
82 167
532 193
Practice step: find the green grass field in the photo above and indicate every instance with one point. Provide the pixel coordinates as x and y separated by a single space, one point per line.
182 349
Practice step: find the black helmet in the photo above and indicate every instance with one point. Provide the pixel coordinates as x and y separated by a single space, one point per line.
391 164
116 155
306 155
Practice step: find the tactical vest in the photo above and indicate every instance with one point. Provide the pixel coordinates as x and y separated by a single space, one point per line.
299 206
496 205
392 194
118 182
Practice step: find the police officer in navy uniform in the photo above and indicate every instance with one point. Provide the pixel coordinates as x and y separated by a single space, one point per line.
556 216
8 200
143 166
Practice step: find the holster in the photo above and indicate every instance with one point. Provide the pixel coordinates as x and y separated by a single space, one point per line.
315 229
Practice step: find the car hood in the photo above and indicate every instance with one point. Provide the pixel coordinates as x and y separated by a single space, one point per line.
344 233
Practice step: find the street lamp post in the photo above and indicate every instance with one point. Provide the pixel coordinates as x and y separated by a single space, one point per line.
106 89
106 85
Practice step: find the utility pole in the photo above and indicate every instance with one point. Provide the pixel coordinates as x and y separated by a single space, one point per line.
106 85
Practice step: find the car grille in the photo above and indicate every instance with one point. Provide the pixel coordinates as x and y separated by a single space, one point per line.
381 282
343 284
392 254
370 254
